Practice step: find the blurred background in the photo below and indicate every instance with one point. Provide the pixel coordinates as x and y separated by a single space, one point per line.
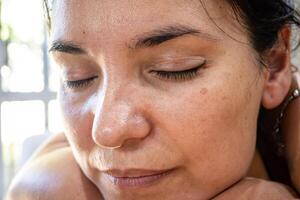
28 110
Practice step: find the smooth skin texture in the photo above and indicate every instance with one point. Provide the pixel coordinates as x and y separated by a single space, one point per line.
202 125
52 173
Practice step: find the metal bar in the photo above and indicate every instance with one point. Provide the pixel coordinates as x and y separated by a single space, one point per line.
46 77
45 63
1 150
1 163
46 103
18 96
0 19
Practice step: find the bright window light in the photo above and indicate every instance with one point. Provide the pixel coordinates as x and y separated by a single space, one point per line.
21 119
55 121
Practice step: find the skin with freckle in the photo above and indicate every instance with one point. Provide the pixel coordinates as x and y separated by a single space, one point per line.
188 104
160 123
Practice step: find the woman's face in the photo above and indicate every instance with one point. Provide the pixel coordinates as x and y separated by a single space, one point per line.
177 95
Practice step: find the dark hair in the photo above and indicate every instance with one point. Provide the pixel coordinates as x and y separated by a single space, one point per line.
264 19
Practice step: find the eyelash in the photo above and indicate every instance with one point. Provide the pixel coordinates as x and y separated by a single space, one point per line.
178 75
80 83
169 75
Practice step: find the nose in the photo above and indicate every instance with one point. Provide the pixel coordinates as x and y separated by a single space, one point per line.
118 120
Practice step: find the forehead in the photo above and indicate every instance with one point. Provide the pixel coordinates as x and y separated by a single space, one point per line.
119 20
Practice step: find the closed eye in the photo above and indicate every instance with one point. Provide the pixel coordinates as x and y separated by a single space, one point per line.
80 83
178 75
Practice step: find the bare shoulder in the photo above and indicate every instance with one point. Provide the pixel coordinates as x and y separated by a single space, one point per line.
252 188
52 174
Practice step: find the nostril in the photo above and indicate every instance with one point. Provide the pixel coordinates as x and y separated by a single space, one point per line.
118 122
136 128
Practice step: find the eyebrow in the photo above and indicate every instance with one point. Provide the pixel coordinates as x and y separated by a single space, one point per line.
161 35
66 47
146 40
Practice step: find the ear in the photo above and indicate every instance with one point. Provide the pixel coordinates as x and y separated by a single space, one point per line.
279 76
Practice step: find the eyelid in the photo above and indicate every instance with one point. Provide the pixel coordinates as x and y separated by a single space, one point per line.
177 64
183 75
76 84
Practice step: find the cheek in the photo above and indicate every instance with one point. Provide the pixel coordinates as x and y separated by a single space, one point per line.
77 123
214 129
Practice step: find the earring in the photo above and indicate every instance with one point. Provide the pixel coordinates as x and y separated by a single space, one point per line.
276 128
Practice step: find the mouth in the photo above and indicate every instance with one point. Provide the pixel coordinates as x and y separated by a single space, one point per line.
135 178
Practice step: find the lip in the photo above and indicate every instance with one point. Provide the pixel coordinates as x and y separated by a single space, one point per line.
135 178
